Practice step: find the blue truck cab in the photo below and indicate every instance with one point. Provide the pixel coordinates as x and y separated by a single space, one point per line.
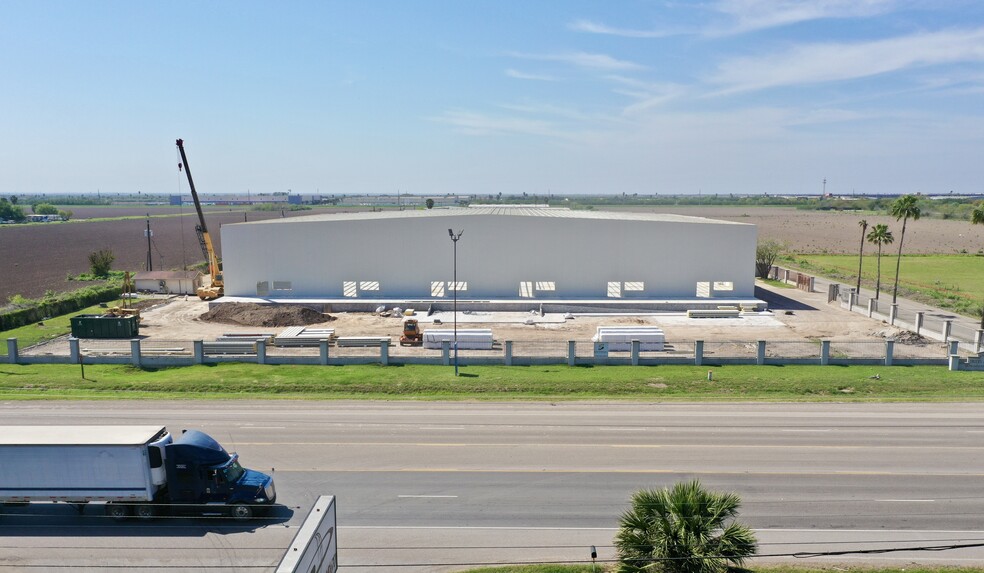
202 474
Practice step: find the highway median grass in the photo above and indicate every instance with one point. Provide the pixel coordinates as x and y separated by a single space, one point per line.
418 382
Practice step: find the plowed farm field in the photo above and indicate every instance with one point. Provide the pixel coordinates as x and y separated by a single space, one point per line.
36 258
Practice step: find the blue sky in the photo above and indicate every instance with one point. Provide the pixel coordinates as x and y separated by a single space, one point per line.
479 97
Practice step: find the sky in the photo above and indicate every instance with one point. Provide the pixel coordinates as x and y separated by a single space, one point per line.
493 96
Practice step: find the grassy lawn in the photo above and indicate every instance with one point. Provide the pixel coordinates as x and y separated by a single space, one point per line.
420 382
948 281
52 328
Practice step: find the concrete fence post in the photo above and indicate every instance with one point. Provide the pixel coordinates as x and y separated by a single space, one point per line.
893 312
812 284
135 352
978 340
323 348
852 301
199 351
635 352
12 350
947 325
760 356
872 303
954 347
73 350
785 275
571 352
889 351
920 314
261 351
953 363
384 353
699 352
824 352
507 349
446 352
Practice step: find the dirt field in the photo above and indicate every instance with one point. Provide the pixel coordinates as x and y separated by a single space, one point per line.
36 258
796 316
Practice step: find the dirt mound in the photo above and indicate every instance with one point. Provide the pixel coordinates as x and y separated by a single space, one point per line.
252 314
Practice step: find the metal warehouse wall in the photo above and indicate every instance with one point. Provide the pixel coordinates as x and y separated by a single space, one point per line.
406 251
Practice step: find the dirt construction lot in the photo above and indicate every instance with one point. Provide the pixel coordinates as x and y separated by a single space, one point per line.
794 316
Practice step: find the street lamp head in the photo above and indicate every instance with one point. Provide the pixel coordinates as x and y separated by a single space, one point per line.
450 233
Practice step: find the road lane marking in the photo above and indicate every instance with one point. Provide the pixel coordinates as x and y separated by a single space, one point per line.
817 430
623 429
893 448
428 496
909 500
442 428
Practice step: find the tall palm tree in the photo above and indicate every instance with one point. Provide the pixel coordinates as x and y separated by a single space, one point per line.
905 208
686 529
879 235
863 223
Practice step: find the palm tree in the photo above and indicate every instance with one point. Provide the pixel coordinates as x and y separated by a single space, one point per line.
976 218
686 529
880 235
905 208
864 229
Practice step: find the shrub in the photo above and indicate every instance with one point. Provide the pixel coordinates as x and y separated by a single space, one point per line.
101 261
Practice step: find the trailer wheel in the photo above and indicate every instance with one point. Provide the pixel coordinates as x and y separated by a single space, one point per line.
241 511
117 510
145 511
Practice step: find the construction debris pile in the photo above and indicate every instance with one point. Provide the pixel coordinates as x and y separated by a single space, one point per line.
252 314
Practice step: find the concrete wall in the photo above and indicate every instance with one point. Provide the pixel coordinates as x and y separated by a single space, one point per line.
405 251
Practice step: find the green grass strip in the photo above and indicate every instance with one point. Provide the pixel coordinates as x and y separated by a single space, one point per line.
560 382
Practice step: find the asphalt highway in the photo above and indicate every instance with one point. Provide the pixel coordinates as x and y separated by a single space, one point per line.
440 486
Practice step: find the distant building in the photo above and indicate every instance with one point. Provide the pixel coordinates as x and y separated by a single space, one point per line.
170 282
224 199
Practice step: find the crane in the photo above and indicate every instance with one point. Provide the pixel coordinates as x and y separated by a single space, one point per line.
215 287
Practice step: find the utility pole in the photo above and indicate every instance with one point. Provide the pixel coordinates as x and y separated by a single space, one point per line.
149 233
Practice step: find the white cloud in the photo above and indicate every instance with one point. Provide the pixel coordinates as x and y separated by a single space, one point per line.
473 123
599 28
583 60
527 76
816 63
751 15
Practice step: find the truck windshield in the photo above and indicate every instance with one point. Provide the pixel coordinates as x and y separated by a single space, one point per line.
233 472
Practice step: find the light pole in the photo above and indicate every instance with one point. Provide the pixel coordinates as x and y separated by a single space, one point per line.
454 283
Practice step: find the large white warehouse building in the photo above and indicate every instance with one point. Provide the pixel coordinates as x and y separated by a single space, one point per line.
504 254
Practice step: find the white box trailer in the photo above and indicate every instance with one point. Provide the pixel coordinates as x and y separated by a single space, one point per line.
468 338
81 463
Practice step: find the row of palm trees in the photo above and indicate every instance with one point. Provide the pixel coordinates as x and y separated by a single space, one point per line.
903 209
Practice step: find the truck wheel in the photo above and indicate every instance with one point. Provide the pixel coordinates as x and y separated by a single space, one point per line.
117 511
145 511
241 511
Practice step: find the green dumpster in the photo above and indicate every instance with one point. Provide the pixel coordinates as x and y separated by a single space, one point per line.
104 326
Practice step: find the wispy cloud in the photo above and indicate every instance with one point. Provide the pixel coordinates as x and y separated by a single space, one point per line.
816 63
582 60
647 94
527 76
599 28
481 124
751 15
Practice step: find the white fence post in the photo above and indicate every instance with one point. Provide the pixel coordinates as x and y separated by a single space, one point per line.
760 356
508 350
635 352
12 350
947 325
824 352
699 352
889 351
571 352
323 351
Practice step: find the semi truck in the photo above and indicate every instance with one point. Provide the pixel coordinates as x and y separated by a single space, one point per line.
140 471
